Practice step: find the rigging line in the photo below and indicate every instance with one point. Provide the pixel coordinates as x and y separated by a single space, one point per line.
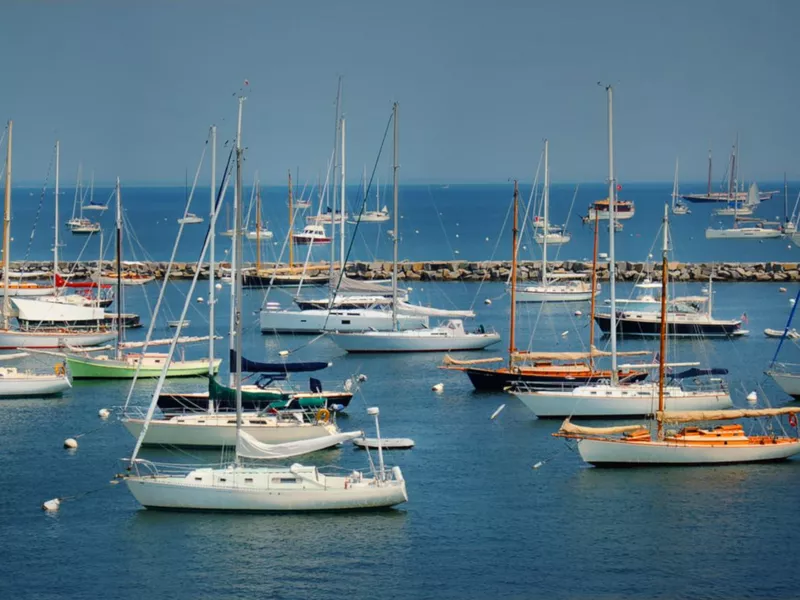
39 209
358 221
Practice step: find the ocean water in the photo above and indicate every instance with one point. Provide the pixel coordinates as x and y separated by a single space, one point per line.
481 521
466 222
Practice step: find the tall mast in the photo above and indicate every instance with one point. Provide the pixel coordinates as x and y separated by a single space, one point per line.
211 266
514 232
675 187
291 221
612 214
594 295
343 204
119 271
55 245
663 338
785 199
709 173
237 279
7 229
337 124
546 211
731 185
258 225
395 231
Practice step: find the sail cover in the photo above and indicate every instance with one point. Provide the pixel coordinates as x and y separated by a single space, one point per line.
595 352
428 311
698 373
251 366
568 427
249 447
725 415
352 286
449 360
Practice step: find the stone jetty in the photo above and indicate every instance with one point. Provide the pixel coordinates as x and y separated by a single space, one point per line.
475 270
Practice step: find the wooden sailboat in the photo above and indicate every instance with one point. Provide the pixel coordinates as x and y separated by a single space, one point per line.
571 287
550 370
239 487
635 445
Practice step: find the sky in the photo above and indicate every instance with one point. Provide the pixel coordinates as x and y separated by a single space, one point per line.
131 88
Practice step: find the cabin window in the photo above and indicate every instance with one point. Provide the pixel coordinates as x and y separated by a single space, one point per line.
222 479
345 321
284 480
303 321
248 480
198 479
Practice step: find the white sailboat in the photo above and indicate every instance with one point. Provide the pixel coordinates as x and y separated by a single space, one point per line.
567 287
275 319
379 215
615 398
38 335
239 487
678 207
78 224
449 336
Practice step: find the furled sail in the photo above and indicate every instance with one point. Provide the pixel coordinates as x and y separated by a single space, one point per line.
249 447
427 311
353 286
725 415
449 360
251 366
698 373
573 355
568 427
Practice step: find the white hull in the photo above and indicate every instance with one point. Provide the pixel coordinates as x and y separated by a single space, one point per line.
325 219
372 217
742 233
432 340
634 400
214 431
788 382
552 293
554 239
264 489
318 320
603 215
612 452
264 236
46 339
732 212
32 385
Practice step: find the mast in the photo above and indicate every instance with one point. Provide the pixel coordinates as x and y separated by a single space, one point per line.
663 337
335 173
55 245
7 228
594 294
211 266
343 203
119 272
395 232
258 225
675 187
291 221
785 200
612 214
546 211
236 308
731 176
514 232
709 174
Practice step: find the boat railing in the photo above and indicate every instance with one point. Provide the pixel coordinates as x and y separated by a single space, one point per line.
785 368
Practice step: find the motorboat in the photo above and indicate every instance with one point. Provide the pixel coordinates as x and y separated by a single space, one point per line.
190 219
311 234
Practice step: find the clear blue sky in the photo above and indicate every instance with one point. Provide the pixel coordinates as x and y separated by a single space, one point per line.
130 88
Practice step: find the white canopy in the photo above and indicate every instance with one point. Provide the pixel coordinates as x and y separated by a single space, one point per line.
428 311
249 447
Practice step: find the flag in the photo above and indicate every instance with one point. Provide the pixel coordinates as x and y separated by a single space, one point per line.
744 317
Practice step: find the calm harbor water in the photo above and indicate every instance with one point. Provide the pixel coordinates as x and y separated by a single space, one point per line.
437 223
481 522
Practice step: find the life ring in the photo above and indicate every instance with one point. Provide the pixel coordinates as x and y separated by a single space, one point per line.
323 415
793 420
59 369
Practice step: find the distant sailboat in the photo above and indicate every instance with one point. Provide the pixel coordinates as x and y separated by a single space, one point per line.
678 207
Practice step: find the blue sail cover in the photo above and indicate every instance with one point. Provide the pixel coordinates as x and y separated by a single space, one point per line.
251 366
693 372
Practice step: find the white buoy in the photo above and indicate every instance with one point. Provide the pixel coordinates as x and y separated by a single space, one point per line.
439 387
487 301
457 252
538 464
497 412
487 239
752 398
103 413
789 247
417 231
200 300
564 333
51 505
791 301
283 353
70 443
456 235
218 286
578 313
782 290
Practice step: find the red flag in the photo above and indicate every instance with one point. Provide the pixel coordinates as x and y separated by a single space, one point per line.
619 187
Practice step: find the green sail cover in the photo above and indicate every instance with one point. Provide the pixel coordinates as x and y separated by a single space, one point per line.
278 399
